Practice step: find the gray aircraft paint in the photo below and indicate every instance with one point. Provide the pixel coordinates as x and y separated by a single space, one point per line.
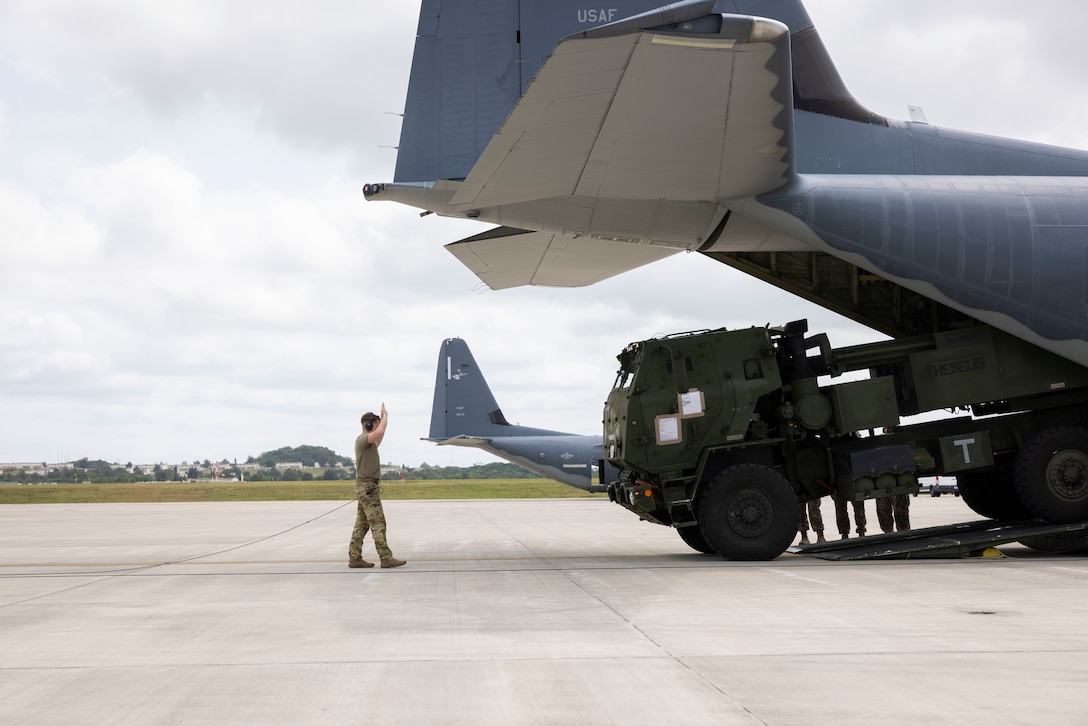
465 413
452 109
983 242
994 228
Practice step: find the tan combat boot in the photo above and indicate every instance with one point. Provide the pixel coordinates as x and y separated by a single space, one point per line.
393 562
820 536
359 563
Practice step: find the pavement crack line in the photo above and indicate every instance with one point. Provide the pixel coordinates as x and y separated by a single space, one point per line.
669 654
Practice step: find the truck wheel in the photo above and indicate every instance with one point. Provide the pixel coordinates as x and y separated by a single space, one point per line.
992 494
748 512
693 538
1052 475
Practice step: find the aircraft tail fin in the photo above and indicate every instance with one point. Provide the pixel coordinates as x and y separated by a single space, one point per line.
466 76
464 406
474 59
817 85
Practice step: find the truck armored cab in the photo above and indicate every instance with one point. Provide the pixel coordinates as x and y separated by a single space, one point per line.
721 434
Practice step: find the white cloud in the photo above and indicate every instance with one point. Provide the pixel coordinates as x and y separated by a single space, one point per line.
978 65
315 75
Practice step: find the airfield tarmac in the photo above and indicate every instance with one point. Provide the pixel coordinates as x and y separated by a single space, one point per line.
513 612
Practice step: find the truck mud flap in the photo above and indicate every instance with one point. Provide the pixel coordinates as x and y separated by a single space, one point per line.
967 539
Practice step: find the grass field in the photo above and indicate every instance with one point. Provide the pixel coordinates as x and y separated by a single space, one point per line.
284 491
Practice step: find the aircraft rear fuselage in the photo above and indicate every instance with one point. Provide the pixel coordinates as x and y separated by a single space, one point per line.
603 141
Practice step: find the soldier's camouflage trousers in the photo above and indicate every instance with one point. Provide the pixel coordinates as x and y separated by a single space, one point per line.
813 507
894 513
842 516
369 518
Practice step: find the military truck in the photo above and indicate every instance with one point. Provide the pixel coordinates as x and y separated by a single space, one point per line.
721 433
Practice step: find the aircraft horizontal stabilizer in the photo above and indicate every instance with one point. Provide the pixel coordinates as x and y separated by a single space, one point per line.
504 257
473 441
631 116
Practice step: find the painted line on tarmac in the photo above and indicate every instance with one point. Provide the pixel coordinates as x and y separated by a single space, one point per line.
322 562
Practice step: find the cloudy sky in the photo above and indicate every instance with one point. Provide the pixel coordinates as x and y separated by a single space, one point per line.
188 269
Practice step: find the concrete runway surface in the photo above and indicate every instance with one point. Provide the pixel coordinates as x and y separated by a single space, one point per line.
513 612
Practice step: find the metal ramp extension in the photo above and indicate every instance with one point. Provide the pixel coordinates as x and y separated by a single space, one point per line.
966 539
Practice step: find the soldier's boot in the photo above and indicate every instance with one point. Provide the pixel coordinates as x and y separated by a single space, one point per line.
861 533
820 536
359 563
392 562
845 536
804 538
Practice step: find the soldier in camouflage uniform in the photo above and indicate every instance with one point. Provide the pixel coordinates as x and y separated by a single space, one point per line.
370 516
813 507
842 517
893 510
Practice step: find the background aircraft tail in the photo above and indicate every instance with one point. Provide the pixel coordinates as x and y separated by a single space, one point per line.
463 403
470 69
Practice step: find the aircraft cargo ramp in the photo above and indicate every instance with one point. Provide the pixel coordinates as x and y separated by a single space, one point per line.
967 539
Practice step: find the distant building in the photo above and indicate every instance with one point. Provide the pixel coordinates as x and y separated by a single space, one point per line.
30 467
36 468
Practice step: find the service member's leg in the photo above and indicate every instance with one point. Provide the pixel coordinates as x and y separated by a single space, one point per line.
884 514
901 512
859 517
355 546
817 518
375 517
842 518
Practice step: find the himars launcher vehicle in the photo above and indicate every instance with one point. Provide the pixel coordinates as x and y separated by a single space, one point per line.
720 433
601 141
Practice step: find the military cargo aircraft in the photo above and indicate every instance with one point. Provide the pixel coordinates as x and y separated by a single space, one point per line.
465 413
599 139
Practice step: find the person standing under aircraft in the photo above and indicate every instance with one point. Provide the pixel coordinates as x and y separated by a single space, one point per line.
893 513
814 514
842 517
369 515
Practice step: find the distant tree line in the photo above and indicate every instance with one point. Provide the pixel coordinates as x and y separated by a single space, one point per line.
331 467
310 456
97 471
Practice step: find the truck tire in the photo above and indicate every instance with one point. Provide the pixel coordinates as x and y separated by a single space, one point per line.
1052 475
992 494
693 538
748 512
